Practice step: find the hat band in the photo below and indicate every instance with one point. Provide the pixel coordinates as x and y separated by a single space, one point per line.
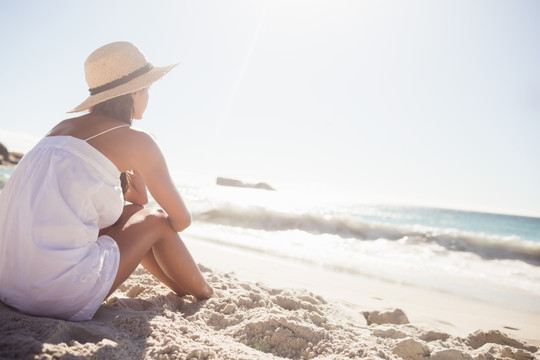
122 80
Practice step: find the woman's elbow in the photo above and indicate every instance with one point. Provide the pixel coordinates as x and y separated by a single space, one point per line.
182 224
144 199
135 197
141 200
185 224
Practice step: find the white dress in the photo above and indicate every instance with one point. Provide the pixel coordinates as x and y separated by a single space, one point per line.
52 262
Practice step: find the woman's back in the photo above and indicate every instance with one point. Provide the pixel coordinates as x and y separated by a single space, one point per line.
51 225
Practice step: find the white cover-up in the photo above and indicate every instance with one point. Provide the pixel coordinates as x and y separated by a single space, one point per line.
52 262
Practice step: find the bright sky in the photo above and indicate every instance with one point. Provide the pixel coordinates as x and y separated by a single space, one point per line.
418 102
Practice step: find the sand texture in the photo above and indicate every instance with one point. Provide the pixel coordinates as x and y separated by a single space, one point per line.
144 320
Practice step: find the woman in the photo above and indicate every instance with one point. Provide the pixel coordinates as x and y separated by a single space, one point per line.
66 239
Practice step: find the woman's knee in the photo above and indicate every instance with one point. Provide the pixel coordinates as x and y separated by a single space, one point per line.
156 217
142 229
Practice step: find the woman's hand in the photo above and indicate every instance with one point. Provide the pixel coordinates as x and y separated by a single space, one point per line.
136 188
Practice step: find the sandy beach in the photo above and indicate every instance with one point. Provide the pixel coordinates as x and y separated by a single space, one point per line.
267 308
358 178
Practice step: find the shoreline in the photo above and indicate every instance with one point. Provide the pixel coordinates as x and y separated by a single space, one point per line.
447 312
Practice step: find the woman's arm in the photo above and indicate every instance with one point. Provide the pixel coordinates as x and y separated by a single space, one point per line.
151 166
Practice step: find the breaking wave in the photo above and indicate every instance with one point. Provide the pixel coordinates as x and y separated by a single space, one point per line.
346 226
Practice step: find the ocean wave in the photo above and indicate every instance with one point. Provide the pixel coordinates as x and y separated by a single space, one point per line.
345 226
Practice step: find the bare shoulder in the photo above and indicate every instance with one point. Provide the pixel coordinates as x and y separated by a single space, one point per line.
64 127
140 138
142 146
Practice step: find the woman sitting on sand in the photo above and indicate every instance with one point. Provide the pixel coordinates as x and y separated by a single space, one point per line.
66 239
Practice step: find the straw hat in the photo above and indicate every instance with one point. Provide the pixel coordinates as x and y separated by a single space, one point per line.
117 69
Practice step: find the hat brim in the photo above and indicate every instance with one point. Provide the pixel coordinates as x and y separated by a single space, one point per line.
132 86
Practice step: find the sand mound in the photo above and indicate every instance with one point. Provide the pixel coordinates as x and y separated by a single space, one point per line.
143 320
396 316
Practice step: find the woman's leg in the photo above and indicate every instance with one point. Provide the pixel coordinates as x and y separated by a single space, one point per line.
150 263
144 235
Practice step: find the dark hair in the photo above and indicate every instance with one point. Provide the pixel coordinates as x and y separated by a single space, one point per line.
125 182
120 108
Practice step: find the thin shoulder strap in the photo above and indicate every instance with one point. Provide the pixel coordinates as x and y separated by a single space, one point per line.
106 131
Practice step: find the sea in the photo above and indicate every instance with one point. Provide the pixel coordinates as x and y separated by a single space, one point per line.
5 174
485 256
